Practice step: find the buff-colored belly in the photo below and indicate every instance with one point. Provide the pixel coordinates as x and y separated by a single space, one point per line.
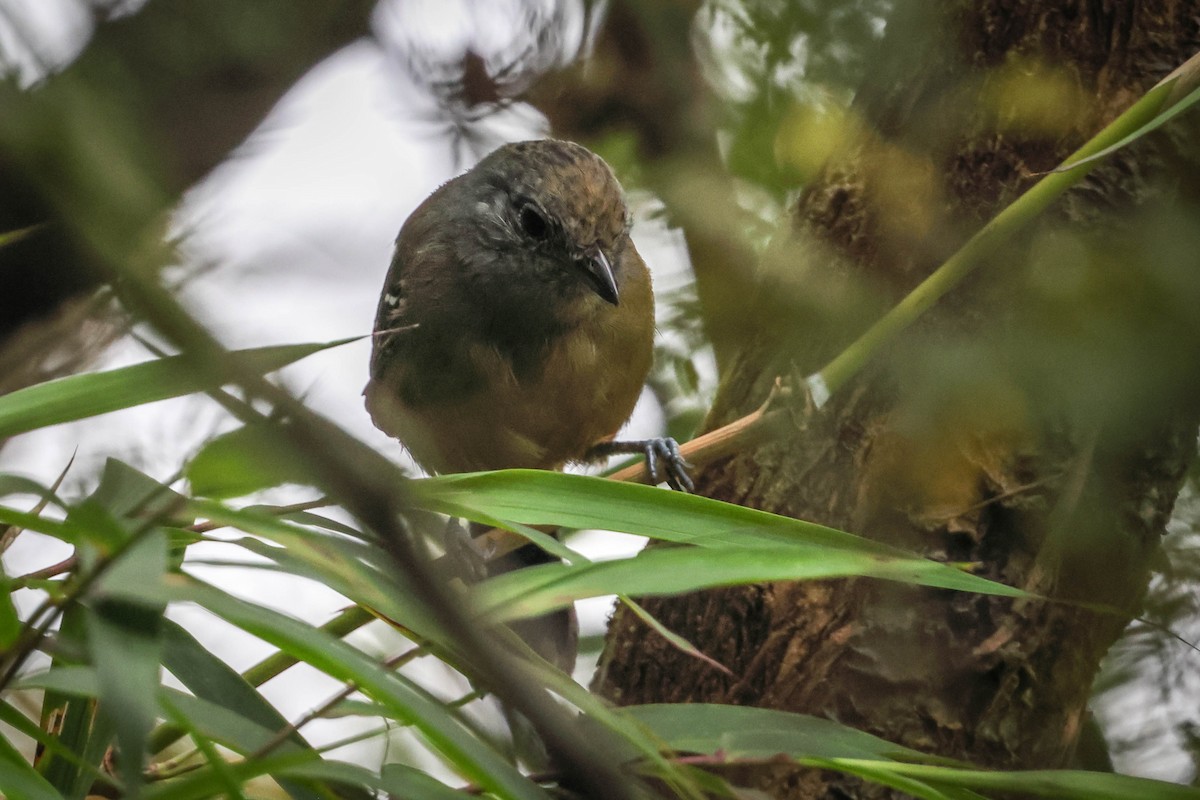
581 400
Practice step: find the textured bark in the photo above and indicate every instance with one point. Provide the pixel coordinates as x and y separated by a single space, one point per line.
966 441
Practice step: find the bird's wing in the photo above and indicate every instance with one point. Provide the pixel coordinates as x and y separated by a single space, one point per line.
393 317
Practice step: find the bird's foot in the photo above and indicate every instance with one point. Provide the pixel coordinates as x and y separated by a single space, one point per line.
664 461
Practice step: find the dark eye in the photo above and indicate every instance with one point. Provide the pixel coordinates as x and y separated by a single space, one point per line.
533 223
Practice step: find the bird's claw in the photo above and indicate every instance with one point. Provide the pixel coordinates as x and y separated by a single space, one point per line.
665 462
664 459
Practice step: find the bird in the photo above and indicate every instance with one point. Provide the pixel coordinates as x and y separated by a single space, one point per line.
515 328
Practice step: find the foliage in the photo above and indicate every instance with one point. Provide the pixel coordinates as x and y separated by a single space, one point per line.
92 656
131 536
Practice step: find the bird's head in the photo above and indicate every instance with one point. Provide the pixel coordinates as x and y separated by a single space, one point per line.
552 220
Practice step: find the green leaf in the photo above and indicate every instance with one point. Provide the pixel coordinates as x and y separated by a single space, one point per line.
73 681
739 732
540 497
230 784
1063 784
19 484
125 640
224 725
36 522
402 781
204 783
533 497
677 570
674 639
356 570
211 679
440 726
50 745
18 779
69 712
356 708
95 531
755 545
17 234
312 520
81 396
909 786
244 461
128 493
1153 125
10 623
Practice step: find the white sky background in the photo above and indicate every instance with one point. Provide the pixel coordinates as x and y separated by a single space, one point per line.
296 233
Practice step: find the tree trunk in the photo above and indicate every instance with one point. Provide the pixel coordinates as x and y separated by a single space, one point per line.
1038 423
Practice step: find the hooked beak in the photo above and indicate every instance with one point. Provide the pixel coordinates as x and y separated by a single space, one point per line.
600 274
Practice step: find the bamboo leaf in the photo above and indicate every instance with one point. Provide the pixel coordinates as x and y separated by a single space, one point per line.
1153 125
211 679
36 522
130 494
81 396
678 570
477 761
243 461
755 545
16 235
1063 784
18 779
73 681
533 497
226 726
674 639
69 712
346 565
736 733
741 732
49 744
125 641
403 781
19 484
10 623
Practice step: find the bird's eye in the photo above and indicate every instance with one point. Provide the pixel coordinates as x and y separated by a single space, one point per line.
533 223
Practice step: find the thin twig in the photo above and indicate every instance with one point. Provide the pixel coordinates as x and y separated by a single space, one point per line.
70 562
292 728
12 531
279 511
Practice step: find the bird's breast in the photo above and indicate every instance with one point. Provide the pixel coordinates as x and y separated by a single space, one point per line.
586 384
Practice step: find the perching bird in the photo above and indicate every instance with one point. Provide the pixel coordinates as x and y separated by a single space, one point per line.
516 323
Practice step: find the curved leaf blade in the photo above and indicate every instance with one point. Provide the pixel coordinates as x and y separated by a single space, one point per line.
80 396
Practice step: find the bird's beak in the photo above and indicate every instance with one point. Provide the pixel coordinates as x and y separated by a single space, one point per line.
600 274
